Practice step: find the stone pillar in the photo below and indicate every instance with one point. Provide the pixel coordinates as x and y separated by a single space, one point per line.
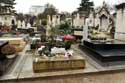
77 20
48 28
58 19
28 25
49 22
49 25
85 32
54 20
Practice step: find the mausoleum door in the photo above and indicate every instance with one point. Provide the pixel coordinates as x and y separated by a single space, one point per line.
104 24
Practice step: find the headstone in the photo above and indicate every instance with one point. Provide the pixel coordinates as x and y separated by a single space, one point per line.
48 30
23 24
19 24
28 25
104 23
58 19
48 19
85 32
54 20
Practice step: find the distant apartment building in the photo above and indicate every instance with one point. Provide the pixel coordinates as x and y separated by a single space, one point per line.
35 10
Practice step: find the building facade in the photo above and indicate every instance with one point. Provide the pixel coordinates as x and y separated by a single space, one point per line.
35 10
7 19
7 14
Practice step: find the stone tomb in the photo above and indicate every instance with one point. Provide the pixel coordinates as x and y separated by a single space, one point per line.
59 62
111 51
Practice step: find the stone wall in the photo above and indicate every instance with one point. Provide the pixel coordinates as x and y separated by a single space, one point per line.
78 21
120 24
6 19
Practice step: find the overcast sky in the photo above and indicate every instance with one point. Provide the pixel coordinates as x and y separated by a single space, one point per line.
61 5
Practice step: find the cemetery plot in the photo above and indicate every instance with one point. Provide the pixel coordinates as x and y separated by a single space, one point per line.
106 51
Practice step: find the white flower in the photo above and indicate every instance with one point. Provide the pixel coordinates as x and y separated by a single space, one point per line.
42 47
39 49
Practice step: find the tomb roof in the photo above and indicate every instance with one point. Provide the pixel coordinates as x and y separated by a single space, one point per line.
121 5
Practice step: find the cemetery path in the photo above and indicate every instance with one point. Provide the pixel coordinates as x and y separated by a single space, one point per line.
73 76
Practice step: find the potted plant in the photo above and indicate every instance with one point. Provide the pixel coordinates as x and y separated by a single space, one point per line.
34 44
68 44
43 37
60 44
9 51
